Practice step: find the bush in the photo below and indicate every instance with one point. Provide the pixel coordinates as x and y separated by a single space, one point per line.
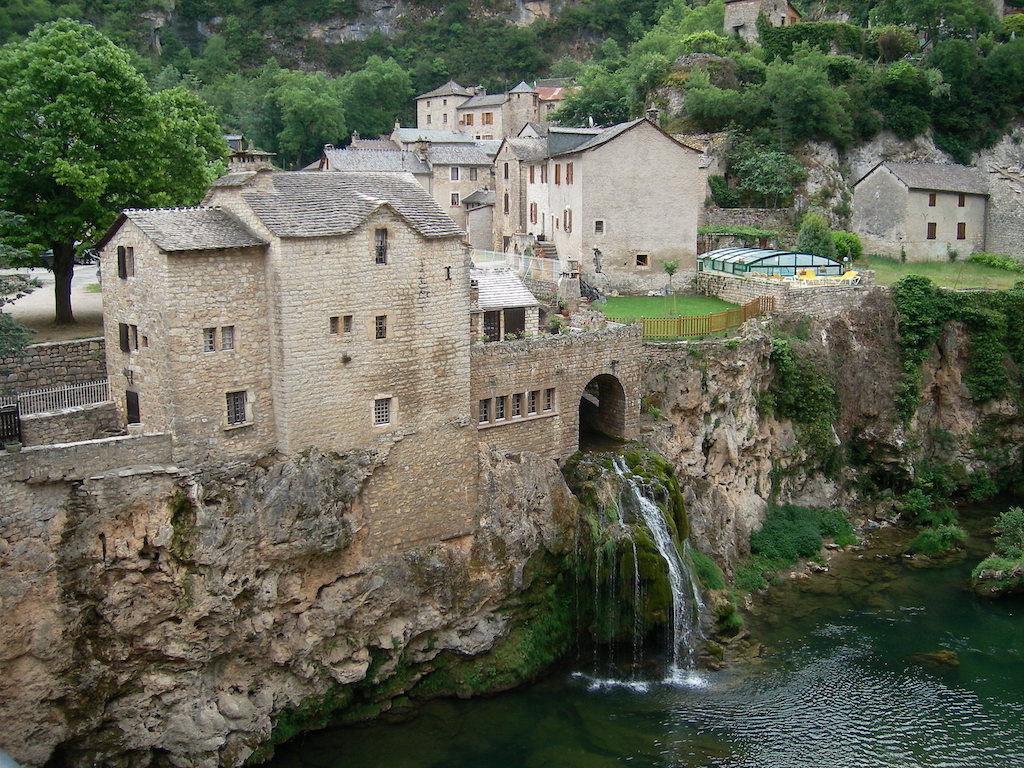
848 245
707 571
723 196
791 532
1009 530
997 260
935 541
815 237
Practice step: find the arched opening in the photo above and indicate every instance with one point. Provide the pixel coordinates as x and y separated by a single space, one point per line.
602 410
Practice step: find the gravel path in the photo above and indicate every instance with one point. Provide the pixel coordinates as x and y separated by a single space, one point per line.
36 309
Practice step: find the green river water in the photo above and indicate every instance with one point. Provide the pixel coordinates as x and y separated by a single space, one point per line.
832 688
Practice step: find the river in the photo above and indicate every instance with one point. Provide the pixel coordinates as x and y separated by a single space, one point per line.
832 688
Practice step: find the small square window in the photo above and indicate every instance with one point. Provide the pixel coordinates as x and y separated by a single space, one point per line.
236 405
380 327
227 337
549 399
209 339
643 260
382 411
335 324
931 230
598 226
531 402
455 199
346 324
484 411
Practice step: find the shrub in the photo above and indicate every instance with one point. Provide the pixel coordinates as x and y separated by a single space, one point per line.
815 237
791 532
1009 530
848 245
997 260
707 571
834 524
723 196
935 541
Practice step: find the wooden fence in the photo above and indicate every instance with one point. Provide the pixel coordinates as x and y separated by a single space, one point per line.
680 327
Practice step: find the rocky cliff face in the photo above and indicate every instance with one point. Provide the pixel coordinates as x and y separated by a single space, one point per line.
177 619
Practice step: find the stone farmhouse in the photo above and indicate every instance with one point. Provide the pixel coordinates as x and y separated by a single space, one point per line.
338 311
485 116
619 201
741 16
922 210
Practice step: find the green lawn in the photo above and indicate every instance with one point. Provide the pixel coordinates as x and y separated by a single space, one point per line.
628 307
956 274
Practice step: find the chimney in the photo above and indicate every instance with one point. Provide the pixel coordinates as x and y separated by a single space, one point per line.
474 291
328 147
652 115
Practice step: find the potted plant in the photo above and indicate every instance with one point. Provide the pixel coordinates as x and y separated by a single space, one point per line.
12 446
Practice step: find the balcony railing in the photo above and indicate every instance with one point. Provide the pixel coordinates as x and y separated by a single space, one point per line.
59 398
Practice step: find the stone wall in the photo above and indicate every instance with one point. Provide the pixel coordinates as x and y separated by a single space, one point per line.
760 218
88 458
53 364
90 422
819 301
566 364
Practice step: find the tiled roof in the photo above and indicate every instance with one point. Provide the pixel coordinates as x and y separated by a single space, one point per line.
489 147
374 160
942 178
193 229
455 154
501 288
382 144
234 179
311 204
434 136
528 149
451 88
484 100
551 94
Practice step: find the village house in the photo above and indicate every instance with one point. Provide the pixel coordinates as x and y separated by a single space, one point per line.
741 16
923 211
483 116
621 202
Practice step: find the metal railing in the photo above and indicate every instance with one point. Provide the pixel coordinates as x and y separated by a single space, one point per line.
680 327
59 398
527 266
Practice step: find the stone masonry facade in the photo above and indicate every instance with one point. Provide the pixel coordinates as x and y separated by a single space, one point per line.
53 364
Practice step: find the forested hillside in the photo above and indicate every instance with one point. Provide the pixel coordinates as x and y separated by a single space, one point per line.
293 74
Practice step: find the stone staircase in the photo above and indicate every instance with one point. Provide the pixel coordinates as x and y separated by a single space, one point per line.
546 249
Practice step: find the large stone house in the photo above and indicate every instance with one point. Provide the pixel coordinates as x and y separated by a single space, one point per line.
620 203
922 211
741 16
481 115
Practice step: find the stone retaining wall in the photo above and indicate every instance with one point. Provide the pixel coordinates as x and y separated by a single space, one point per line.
90 422
760 218
815 300
53 364
78 461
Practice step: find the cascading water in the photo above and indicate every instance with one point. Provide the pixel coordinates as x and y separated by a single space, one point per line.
686 603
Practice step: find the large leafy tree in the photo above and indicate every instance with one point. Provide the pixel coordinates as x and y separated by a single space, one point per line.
82 137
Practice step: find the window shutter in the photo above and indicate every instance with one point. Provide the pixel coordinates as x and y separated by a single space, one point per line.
122 330
122 264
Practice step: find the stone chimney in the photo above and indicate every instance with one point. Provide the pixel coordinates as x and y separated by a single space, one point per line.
652 115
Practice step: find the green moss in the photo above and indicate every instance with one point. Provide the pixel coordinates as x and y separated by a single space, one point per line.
312 714
708 573
183 528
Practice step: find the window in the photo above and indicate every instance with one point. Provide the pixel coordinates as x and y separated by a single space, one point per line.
227 337
469 119
455 199
505 203
335 324
931 230
380 246
346 324
209 339
568 173
428 119
499 408
380 327
567 220
236 408
484 411
598 226
488 118
549 399
444 118
472 174
453 173
931 199
532 173
382 411
533 213
961 200
558 173
131 402
125 261
517 404
124 337
643 260
505 171
961 230
531 402
134 336
544 174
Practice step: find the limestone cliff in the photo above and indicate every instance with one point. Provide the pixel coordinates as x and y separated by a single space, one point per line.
177 618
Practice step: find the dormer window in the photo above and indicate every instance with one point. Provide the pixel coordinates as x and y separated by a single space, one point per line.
380 246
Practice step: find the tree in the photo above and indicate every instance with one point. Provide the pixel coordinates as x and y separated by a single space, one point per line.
374 96
766 176
84 137
803 102
13 335
815 236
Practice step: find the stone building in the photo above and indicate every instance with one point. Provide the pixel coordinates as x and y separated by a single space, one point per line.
481 115
621 202
741 16
512 167
436 109
921 210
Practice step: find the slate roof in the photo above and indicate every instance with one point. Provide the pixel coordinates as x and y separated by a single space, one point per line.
484 100
234 179
940 177
383 144
522 88
528 149
374 160
489 147
434 136
312 204
611 133
501 288
454 154
480 197
190 229
451 88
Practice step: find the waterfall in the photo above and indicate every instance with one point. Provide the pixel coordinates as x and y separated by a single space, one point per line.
685 631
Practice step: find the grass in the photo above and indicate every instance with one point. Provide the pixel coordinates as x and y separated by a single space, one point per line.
629 307
949 274
93 288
